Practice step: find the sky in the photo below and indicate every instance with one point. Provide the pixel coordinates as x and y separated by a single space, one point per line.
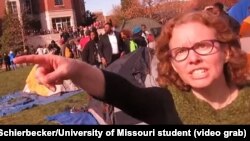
105 6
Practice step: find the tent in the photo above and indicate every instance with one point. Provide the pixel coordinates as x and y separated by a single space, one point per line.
139 68
240 10
32 86
245 28
134 66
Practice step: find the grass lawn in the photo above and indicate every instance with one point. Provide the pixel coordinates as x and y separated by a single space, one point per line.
13 81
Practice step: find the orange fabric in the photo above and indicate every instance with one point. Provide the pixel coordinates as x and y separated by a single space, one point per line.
245 28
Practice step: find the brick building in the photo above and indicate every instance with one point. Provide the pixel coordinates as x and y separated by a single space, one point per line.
56 14
1 14
52 14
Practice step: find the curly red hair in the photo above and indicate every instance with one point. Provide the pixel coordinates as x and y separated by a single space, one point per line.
233 69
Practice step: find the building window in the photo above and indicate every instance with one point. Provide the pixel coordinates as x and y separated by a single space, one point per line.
28 7
61 23
58 2
12 8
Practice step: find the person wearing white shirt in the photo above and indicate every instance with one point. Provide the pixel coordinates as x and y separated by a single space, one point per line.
111 45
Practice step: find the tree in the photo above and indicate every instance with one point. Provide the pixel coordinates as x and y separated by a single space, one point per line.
160 10
129 9
12 38
132 9
89 18
166 10
198 4
29 22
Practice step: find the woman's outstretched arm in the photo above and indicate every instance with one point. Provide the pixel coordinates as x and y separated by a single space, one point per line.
151 105
53 70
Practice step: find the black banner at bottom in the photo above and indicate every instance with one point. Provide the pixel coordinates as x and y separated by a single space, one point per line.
187 131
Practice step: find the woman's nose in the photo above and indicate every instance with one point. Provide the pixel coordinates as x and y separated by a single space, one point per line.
193 57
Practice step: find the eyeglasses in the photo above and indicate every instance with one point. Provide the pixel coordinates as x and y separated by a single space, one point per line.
203 48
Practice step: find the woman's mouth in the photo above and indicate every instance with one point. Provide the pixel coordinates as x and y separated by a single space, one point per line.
199 73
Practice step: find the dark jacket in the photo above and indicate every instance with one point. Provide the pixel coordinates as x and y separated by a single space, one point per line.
139 40
6 59
89 53
105 47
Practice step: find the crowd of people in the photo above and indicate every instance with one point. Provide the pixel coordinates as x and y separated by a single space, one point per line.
99 49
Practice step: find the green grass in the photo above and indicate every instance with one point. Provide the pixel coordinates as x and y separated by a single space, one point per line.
14 81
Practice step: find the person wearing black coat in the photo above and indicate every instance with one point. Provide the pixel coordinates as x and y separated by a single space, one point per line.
7 63
91 53
111 45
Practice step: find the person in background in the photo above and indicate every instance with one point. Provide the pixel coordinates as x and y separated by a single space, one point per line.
151 41
68 51
12 56
91 53
111 45
145 32
73 48
46 49
26 50
85 39
129 45
6 59
138 38
64 36
39 50
78 46
54 48
201 74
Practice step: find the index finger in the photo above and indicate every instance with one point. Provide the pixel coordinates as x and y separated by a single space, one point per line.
35 59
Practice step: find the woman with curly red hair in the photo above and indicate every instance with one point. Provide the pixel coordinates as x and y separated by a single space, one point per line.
201 74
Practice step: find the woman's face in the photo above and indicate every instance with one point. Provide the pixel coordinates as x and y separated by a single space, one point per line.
198 71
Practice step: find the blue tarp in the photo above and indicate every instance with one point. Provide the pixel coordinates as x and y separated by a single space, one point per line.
240 10
77 118
16 102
